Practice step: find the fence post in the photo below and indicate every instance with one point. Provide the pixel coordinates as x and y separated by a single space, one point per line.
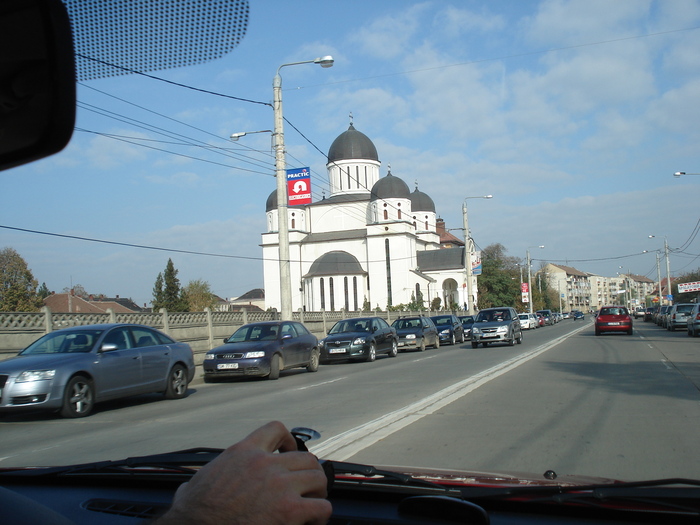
301 315
112 315
48 322
210 327
166 321
323 316
245 315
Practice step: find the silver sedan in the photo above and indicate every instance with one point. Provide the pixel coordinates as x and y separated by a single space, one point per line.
70 370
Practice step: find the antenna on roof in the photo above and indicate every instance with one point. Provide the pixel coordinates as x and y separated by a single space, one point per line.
351 117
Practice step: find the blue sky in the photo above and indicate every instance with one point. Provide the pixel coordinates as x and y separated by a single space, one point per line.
574 115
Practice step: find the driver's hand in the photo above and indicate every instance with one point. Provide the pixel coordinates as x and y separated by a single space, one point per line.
249 483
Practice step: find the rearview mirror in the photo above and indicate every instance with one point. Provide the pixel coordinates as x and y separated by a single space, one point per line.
37 80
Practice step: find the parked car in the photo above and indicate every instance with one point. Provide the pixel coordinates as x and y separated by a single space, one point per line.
360 338
694 321
496 325
71 369
677 316
548 316
649 313
263 349
577 314
661 315
528 321
449 328
467 322
416 333
541 319
639 312
613 319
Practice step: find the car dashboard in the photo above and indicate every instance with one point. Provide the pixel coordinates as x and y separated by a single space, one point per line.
125 499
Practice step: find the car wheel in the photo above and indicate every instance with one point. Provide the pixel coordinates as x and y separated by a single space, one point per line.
461 339
484 345
520 338
511 341
177 383
78 398
453 339
394 348
437 342
371 353
630 332
475 345
421 347
314 360
597 332
274 367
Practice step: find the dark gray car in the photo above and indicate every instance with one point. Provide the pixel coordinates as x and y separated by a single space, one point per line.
70 370
496 325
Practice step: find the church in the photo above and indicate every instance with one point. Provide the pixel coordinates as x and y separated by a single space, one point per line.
370 242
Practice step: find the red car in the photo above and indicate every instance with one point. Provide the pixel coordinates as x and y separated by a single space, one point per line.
613 319
540 319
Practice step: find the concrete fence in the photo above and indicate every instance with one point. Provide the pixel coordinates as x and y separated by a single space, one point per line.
202 330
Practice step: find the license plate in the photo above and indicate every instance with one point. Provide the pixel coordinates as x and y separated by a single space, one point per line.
227 366
336 351
613 324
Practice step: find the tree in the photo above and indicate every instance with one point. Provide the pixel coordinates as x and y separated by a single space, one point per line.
499 283
167 293
78 290
198 295
18 288
43 292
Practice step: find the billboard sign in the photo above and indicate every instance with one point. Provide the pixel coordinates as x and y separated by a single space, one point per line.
476 263
298 186
689 287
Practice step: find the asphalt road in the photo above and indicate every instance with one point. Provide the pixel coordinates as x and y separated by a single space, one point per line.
619 406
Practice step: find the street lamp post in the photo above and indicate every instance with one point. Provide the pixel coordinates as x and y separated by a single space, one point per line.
529 277
280 173
668 268
468 249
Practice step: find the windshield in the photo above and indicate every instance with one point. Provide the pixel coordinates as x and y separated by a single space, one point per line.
351 325
411 165
254 332
404 324
64 342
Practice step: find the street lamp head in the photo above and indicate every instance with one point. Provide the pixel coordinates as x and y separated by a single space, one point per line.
326 61
679 173
235 136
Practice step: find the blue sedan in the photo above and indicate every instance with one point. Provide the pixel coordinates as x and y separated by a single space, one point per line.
70 370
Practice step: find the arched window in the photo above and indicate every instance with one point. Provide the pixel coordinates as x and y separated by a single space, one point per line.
347 293
323 295
354 292
386 215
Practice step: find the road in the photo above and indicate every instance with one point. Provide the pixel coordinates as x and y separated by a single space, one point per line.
619 406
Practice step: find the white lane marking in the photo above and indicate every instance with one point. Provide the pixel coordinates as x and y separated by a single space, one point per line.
425 358
321 384
665 363
349 443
